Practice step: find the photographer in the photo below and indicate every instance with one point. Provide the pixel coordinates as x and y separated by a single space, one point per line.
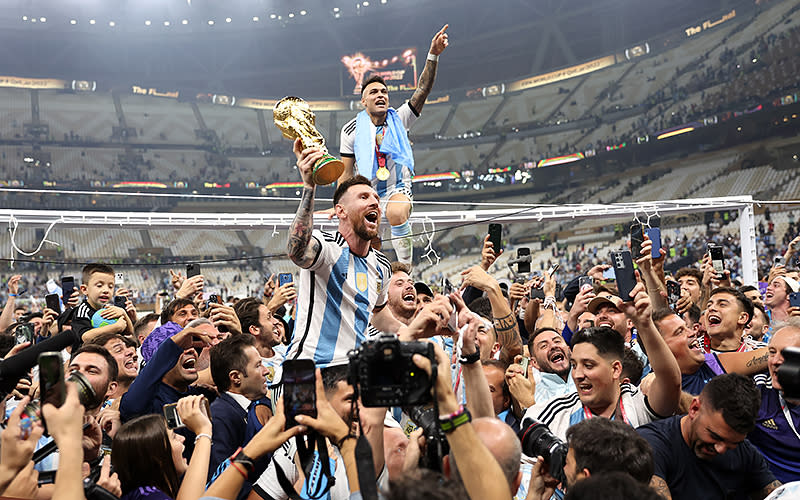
595 447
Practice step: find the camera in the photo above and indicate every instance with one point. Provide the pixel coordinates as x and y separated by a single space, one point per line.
426 417
538 441
789 372
385 375
32 412
23 333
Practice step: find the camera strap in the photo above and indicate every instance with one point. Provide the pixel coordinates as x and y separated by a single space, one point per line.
787 414
319 479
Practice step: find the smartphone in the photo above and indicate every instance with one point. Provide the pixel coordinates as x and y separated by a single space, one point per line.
496 237
120 301
794 299
552 270
654 221
299 389
23 333
654 233
192 270
67 287
284 278
623 270
523 267
673 293
52 302
779 261
637 237
524 362
447 287
174 420
717 259
585 283
51 378
609 275
118 281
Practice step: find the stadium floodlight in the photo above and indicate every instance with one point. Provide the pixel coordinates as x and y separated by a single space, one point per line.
273 16
24 18
211 22
73 21
336 9
112 23
166 23
185 22
291 15
43 19
255 19
92 21
228 19
148 23
303 13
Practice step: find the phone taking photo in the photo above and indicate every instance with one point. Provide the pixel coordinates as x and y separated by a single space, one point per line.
523 267
67 288
717 259
192 270
299 389
51 378
624 272
284 278
637 238
496 237
51 301
673 293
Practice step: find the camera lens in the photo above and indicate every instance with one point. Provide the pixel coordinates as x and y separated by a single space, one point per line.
86 393
538 441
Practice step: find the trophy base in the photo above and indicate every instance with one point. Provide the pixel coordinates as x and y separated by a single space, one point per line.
327 170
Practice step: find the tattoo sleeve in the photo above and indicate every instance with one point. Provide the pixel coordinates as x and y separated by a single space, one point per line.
766 490
507 330
661 487
424 85
302 249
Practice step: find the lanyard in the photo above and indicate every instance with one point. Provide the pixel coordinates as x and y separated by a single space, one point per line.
788 415
620 409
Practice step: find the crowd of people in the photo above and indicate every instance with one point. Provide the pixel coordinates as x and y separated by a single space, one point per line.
354 380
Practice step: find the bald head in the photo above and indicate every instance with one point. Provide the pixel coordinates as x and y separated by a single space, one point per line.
502 443
787 334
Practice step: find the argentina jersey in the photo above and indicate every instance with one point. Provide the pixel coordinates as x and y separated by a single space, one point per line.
336 295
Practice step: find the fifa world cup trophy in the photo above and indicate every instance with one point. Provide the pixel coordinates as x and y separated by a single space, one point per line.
294 118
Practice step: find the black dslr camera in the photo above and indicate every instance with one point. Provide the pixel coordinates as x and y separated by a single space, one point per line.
538 441
385 375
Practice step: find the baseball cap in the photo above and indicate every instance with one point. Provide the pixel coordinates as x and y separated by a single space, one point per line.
605 298
793 284
423 288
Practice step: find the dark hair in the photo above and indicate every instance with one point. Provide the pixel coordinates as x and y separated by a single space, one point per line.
90 269
104 338
332 375
606 340
736 397
424 483
113 370
689 271
142 323
614 485
748 288
602 445
662 313
745 304
482 307
694 313
632 366
144 436
760 308
174 306
538 332
372 79
342 187
229 355
247 310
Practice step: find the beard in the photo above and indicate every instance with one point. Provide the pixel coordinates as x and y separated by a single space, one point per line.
365 234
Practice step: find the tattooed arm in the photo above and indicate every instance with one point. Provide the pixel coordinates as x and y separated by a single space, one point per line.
425 84
302 248
745 363
661 487
766 490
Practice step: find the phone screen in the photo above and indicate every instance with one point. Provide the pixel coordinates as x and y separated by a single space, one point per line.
171 416
496 237
52 302
118 281
51 378
637 237
716 258
300 392
192 270
523 267
585 283
67 287
673 293
284 278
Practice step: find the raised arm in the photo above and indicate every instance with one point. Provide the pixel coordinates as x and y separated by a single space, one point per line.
302 248
426 79
665 391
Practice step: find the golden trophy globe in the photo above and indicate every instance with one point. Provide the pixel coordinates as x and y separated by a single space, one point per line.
293 116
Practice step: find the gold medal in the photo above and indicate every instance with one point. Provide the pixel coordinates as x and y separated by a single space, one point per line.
382 174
